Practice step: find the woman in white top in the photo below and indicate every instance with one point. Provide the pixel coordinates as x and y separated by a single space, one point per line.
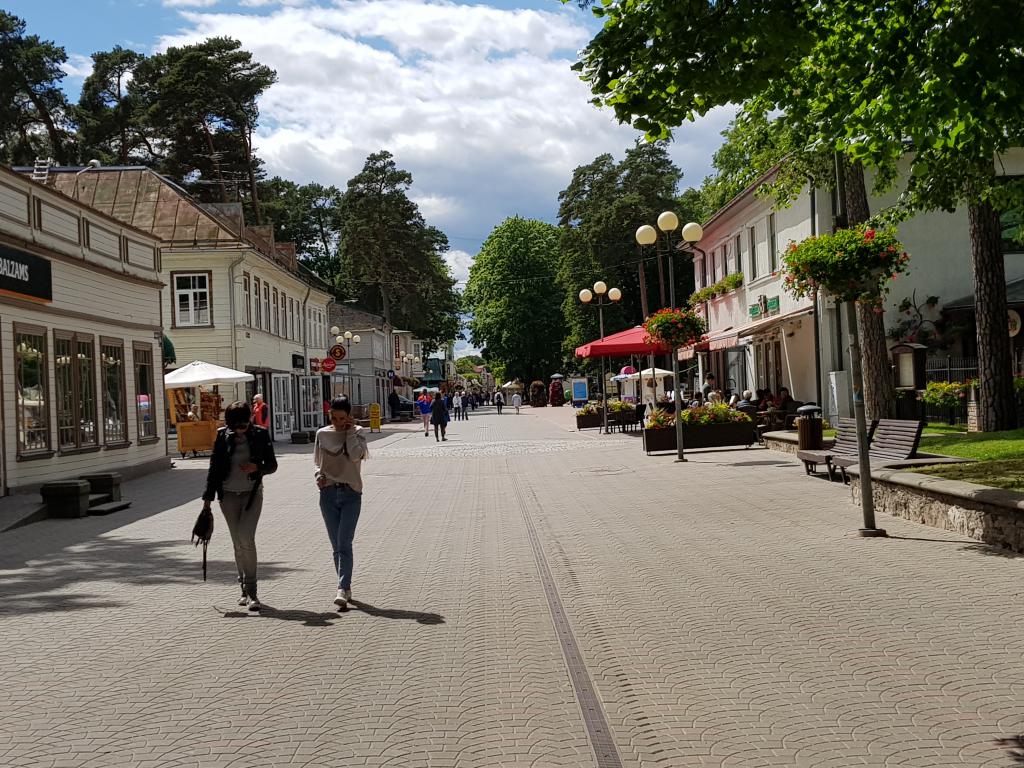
517 401
338 454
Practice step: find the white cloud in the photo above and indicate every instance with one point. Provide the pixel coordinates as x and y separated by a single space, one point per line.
478 103
78 66
459 263
190 3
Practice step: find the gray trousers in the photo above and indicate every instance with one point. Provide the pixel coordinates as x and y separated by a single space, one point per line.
242 526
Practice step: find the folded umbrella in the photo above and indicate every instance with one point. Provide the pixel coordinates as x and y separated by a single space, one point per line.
202 532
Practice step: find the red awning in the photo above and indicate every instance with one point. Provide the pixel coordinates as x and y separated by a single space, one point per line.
629 342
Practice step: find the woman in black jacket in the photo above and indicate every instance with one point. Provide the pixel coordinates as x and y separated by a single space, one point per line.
439 416
242 455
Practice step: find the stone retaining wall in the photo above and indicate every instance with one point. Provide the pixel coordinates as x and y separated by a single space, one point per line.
991 515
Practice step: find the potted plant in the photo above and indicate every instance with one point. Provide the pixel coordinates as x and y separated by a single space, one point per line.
674 327
659 431
620 413
709 426
588 417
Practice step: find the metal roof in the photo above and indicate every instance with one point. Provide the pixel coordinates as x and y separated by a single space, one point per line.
1014 296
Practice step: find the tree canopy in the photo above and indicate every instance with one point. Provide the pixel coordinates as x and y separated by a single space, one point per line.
514 301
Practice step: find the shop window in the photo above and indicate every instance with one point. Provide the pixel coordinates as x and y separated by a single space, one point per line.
74 368
115 412
191 299
145 401
31 407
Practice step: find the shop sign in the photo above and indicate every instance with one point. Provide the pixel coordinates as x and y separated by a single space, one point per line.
314 365
337 353
755 310
25 275
773 304
398 347
327 364
391 374
298 361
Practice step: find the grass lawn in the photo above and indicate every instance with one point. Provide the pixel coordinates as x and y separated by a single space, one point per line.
1006 473
983 446
945 429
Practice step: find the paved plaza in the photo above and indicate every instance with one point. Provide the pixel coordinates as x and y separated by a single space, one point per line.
526 595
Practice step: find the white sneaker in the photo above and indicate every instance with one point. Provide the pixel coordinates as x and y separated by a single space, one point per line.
342 599
243 600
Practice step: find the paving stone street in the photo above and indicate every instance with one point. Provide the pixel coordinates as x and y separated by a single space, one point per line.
525 595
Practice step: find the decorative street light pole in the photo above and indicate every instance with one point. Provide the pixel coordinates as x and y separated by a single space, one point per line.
348 339
604 297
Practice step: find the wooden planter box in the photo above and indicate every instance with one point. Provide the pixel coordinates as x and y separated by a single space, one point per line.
711 436
589 421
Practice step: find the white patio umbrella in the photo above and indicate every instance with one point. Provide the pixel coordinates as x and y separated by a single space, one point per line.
199 373
648 373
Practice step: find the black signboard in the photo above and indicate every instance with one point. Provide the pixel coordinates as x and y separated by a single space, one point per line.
25 275
298 361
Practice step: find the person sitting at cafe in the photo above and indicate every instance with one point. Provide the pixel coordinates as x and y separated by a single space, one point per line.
767 400
784 402
747 401
715 397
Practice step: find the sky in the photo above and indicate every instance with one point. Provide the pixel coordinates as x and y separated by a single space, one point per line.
475 99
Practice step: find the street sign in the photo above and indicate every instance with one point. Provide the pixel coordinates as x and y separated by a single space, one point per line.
314 365
391 374
327 364
337 353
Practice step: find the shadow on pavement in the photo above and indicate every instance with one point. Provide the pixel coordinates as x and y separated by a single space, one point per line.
1015 748
308 618
395 613
42 585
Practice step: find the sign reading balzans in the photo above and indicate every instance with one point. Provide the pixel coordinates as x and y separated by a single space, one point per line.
25 275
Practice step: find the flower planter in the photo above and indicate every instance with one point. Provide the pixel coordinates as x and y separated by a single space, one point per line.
708 436
589 421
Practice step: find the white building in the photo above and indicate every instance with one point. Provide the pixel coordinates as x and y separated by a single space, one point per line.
233 296
761 337
80 340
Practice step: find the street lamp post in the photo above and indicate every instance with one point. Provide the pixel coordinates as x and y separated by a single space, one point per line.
604 296
348 339
691 233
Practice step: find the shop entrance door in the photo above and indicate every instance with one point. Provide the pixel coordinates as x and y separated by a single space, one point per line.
281 406
311 410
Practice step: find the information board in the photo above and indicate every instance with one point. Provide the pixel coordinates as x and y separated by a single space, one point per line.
580 394
375 417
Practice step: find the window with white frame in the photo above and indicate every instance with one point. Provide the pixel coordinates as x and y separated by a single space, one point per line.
266 307
752 244
773 254
736 266
277 313
191 298
284 316
291 317
246 292
259 307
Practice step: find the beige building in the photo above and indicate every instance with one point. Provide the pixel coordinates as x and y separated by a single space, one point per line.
80 340
233 296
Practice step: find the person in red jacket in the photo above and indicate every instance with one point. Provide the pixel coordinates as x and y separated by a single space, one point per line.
260 412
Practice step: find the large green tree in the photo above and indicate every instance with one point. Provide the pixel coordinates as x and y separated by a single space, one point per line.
514 302
599 213
108 121
390 259
33 108
308 215
201 100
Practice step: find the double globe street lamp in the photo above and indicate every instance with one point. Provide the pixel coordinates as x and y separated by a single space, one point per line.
691 234
604 296
348 339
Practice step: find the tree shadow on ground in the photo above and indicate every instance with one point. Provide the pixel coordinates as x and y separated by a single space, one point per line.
977 547
396 613
112 565
308 618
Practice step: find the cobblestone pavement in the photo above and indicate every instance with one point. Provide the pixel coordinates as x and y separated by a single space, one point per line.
527 596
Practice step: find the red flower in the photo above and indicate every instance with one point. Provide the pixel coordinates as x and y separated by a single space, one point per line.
869 234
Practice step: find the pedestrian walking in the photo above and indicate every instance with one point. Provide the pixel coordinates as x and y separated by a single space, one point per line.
439 417
338 453
394 404
260 412
242 456
457 405
499 401
423 403
517 402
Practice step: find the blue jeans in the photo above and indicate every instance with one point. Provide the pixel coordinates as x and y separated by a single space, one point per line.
340 507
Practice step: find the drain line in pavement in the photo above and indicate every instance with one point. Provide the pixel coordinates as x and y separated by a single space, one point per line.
605 751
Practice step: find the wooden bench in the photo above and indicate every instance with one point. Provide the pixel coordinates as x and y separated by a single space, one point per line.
894 440
845 445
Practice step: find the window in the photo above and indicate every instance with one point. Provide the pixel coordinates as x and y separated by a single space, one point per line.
266 307
773 256
736 255
145 402
752 243
259 312
248 299
291 318
115 413
191 298
277 314
31 406
724 267
74 369
284 316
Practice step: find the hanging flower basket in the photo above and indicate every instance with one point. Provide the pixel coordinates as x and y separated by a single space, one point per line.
855 264
674 327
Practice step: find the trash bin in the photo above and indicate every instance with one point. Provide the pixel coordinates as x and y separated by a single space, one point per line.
808 428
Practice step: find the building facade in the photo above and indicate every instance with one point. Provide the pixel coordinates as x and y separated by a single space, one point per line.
760 337
80 340
233 296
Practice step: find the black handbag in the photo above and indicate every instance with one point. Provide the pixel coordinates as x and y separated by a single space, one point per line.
202 532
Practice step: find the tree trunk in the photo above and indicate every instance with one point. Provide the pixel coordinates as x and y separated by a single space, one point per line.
56 145
996 405
247 139
879 386
213 160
